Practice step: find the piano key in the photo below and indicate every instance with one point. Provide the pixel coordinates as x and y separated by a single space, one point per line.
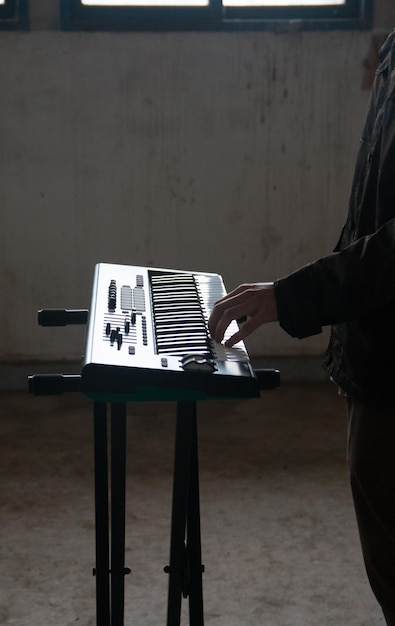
175 316
183 349
186 328
199 342
186 339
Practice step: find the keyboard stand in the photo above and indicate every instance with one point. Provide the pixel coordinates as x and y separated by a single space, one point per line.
185 568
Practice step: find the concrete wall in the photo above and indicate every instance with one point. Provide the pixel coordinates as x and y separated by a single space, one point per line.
224 152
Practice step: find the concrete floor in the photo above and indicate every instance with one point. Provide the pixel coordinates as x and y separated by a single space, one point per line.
279 539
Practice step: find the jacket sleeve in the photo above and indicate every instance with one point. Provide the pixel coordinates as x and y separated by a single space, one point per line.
346 285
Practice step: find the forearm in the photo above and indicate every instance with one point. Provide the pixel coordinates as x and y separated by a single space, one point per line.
343 286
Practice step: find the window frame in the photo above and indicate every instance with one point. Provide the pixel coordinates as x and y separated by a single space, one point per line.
356 14
14 15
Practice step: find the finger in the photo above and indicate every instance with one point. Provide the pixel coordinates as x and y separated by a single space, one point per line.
223 303
237 291
228 315
229 343
249 327
219 311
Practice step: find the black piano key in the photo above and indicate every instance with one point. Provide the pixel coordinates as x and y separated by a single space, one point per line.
170 302
179 309
179 332
187 327
181 320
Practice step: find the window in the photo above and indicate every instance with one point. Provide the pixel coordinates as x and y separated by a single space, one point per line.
14 15
277 15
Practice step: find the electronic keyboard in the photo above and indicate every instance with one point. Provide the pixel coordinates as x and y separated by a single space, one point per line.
147 338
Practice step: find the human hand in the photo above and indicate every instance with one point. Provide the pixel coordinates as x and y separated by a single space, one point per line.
255 301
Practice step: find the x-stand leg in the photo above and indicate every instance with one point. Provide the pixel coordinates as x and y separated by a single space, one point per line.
185 569
110 572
